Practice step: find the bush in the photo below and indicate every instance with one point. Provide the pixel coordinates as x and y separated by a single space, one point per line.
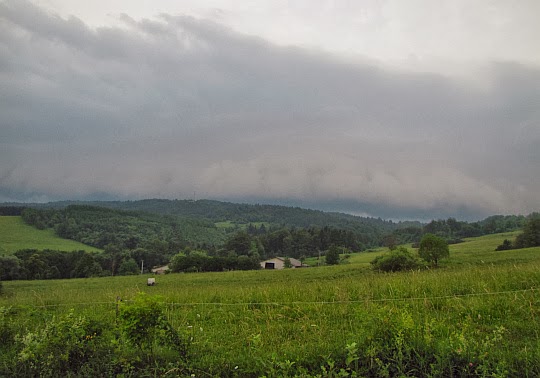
144 325
7 332
63 347
505 246
396 260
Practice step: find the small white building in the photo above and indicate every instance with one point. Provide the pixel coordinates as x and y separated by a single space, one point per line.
160 269
279 263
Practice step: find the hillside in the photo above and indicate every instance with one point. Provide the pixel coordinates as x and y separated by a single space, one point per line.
234 214
210 223
217 211
101 226
15 235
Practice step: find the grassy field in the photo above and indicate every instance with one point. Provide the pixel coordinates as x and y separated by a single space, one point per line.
473 251
15 235
477 315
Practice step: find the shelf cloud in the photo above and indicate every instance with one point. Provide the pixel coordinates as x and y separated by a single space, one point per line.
177 106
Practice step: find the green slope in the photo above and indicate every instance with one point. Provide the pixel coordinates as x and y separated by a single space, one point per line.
15 235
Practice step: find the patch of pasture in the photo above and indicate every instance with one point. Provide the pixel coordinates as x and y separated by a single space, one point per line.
16 235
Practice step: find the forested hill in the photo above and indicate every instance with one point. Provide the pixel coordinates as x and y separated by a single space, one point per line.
209 222
237 236
217 211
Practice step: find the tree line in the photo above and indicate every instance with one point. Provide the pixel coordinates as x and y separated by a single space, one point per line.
128 238
193 222
453 231
530 237
33 264
101 227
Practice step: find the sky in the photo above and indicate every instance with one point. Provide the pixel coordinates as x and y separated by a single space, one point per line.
392 109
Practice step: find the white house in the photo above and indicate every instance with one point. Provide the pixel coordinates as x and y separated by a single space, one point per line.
279 263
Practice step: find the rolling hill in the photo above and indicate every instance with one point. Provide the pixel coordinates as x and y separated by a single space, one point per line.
15 235
239 214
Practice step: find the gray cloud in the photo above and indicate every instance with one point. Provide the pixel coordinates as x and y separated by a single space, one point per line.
179 106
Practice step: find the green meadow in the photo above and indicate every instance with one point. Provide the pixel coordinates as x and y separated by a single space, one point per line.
476 315
16 235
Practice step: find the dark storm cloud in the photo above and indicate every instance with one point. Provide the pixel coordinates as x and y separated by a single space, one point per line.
180 106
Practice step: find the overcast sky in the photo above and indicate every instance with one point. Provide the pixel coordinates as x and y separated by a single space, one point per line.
415 109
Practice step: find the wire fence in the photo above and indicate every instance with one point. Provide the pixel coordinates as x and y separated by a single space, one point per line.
291 303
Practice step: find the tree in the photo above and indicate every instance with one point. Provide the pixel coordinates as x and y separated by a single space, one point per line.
87 266
390 242
182 263
36 268
287 263
433 248
114 254
10 268
332 256
240 243
128 266
531 233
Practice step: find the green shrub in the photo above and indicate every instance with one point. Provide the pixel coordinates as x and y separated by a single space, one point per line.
145 326
505 246
396 260
6 328
63 347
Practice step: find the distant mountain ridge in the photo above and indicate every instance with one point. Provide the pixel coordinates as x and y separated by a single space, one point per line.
210 222
218 211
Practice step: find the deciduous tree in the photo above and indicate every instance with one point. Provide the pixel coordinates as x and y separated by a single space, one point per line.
531 233
332 256
433 248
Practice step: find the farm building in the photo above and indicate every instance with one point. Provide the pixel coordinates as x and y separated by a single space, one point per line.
160 269
279 263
